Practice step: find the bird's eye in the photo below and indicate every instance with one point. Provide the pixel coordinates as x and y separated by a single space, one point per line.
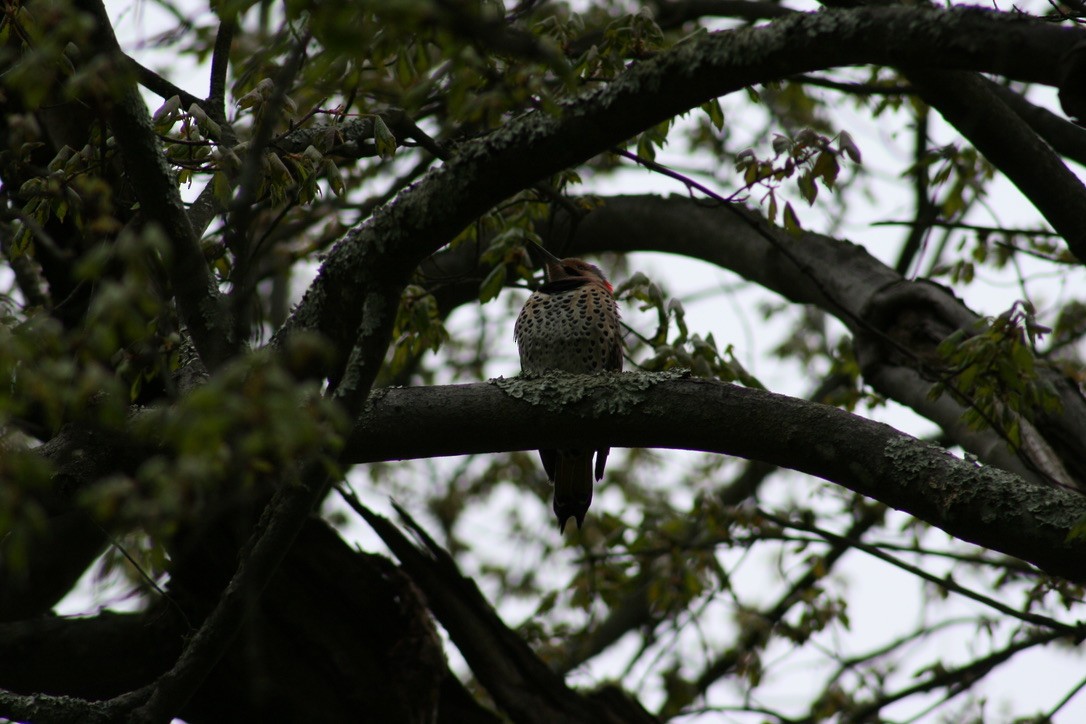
570 270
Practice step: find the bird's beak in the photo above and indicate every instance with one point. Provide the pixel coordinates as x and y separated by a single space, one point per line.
540 255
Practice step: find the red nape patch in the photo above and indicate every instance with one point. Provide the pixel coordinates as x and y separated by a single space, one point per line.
609 288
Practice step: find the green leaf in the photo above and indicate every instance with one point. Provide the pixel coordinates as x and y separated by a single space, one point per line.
492 285
1014 433
807 188
1023 358
826 168
421 314
334 177
750 176
221 188
645 148
715 112
382 136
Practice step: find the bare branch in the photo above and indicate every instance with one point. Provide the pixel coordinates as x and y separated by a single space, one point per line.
220 62
955 680
160 86
236 235
946 584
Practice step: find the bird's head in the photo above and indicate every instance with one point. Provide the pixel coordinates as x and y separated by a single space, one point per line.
575 269
558 269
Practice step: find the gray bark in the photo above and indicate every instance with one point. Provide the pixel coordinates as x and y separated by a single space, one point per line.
979 504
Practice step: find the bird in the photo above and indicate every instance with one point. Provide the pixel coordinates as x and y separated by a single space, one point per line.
570 323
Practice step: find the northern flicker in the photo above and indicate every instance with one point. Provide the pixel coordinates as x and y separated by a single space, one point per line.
570 323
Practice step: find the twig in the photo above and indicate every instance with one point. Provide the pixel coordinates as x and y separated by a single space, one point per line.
1051 714
946 583
858 88
956 680
220 62
241 208
755 637
158 85
926 212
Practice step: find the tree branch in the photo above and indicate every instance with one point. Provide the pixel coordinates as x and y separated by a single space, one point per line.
1069 139
220 62
268 545
94 657
925 213
521 684
65 709
327 601
160 86
982 505
947 584
357 290
197 296
955 680
843 279
967 103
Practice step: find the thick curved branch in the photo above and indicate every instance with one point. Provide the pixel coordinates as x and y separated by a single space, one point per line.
65 709
354 297
844 280
1069 139
967 102
837 276
982 505
92 657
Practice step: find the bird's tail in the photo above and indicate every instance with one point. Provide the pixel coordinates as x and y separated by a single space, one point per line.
572 486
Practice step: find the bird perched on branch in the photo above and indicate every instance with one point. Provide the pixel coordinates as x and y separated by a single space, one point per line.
571 324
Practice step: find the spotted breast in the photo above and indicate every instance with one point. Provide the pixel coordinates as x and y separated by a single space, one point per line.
571 323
